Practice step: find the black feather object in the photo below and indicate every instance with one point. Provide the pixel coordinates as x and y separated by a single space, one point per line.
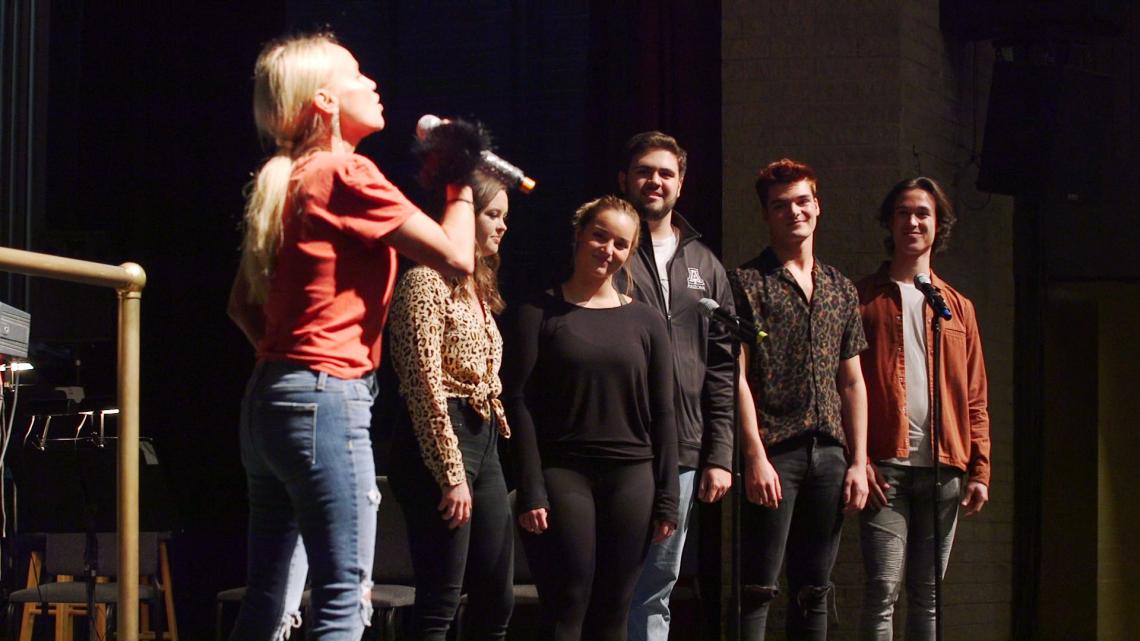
450 152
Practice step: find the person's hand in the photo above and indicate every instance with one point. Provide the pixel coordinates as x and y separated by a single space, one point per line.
762 484
855 488
877 488
977 494
534 521
715 482
663 530
455 505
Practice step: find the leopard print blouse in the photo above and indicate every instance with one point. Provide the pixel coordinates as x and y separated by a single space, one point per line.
442 349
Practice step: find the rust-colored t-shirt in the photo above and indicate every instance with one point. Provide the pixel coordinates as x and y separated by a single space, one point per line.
329 294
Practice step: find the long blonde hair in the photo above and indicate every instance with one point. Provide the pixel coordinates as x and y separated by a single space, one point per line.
286 77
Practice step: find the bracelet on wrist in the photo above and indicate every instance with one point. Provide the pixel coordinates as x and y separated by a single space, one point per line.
462 200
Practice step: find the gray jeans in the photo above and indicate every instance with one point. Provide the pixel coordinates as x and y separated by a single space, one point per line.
898 539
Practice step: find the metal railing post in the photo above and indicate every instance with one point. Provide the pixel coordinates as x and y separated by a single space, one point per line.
128 280
130 308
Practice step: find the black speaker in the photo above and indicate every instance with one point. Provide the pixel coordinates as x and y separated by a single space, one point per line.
1031 19
1046 132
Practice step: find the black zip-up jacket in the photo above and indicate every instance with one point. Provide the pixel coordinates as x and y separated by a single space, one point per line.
702 355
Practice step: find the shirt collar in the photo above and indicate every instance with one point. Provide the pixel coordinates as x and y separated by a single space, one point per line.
882 277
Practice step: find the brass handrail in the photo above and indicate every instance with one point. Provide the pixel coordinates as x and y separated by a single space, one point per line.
128 280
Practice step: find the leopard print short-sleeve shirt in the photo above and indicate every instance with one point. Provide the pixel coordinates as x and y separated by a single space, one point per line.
792 373
442 349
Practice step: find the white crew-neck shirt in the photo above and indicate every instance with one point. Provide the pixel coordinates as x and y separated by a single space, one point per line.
663 251
917 377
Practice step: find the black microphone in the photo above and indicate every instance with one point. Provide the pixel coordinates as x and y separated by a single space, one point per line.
509 174
933 298
740 329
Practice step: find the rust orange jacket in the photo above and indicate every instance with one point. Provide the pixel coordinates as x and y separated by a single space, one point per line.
965 436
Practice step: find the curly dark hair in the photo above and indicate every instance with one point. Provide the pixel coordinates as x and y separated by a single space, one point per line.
943 211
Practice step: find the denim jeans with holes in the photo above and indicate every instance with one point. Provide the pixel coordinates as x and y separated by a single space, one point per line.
805 528
312 502
649 615
898 543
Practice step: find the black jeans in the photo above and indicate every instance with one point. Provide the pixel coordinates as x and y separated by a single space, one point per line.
586 564
479 553
806 526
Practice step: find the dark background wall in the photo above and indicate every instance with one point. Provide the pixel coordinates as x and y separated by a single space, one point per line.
1041 164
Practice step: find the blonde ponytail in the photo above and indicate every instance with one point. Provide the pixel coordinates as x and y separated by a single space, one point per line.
264 207
287 75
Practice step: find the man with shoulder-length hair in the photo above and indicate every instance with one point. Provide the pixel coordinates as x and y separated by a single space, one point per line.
897 529
672 271
803 409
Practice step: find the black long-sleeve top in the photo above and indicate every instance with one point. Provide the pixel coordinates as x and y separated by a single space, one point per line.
583 384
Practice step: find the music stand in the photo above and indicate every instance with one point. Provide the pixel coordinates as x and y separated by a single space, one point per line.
69 485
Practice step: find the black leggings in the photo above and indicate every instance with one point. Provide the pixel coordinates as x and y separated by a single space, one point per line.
587 563
480 552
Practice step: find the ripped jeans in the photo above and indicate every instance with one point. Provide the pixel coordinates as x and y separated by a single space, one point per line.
311 478
806 527
898 544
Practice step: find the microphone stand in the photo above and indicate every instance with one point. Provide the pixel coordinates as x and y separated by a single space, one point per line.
737 492
90 560
90 572
936 490
738 333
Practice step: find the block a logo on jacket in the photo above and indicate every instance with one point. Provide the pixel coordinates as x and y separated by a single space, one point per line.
695 281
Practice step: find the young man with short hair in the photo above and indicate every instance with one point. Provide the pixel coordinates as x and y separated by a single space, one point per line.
803 409
671 272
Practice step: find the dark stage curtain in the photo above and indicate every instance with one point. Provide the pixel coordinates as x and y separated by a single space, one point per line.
656 65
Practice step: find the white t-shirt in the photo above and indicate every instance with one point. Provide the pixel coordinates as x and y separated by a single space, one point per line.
663 251
917 379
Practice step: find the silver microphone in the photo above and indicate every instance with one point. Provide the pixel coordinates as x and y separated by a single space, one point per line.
509 174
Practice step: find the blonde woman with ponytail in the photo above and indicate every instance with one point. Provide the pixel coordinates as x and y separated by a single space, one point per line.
322 228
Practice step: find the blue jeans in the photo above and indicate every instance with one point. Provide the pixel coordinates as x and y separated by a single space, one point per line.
900 538
806 526
312 502
649 612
